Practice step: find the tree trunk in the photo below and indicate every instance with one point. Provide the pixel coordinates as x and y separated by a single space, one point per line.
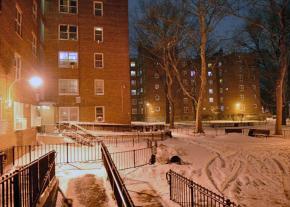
284 115
169 83
283 66
167 110
202 90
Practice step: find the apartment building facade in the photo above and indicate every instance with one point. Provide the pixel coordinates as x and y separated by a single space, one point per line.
19 61
86 61
232 92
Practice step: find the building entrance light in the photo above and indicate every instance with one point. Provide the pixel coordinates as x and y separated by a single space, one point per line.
35 82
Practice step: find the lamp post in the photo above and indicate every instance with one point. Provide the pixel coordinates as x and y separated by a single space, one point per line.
34 82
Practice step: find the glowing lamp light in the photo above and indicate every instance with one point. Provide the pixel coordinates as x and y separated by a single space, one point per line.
35 82
147 104
238 105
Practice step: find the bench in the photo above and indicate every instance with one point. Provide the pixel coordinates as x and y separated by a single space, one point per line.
233 130
259 133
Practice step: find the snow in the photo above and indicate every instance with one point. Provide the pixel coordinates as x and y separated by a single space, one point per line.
249 171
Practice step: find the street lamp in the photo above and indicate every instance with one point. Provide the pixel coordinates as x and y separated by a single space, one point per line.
34 82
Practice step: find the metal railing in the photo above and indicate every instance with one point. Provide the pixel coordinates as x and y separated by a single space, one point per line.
121 193
132 159
25 185
187 193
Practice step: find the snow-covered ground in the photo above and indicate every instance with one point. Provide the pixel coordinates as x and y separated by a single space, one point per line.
249 171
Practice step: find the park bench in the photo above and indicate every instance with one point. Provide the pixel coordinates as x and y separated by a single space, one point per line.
233 130
259 133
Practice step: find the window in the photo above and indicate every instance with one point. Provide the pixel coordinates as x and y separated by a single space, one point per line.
211 100
68 114
210 91
68 87
184 72
134 101
157 97
18 21
209 65
221 90
133 73
157 108
68 32
68 59
221 99
241 77
222 108
98 34
100 113
156 75
133 92
209 73
220 64
68 6
192 73
134 111
157 86
133 82
254 87
20 123
34 44
99 87
210 82
99 60
133 64
242 97
34 115
98 8
34 10
186 110
185 101
221 80
17 66
242 87
1 109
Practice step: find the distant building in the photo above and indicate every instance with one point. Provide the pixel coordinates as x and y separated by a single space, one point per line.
232 92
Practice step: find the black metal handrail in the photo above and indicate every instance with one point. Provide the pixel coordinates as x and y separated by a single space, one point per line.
121 193
187 193
24 186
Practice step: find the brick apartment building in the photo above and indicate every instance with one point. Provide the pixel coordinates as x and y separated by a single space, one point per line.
18 62
233 91
85 61
80 48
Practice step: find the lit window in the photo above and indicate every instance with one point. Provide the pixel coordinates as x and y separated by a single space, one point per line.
34 44
100 113
133 92
67 114
68 6
192 73
18 21
222 108
221 90
210 91
220 64
99 60
98 8
17 66
157 97
211 100
221 80
133 64
68 87
99 87
133 73
34 10
68 59
98 34
209 73
157 86
209 65
68 32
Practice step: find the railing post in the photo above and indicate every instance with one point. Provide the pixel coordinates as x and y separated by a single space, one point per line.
13 155
134 158
17 189
191 194
29 153
67 153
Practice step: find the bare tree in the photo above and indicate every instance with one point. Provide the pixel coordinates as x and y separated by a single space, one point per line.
268 26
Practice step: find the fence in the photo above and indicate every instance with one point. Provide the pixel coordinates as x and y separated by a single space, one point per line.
24 186
131 159
120 191
187 193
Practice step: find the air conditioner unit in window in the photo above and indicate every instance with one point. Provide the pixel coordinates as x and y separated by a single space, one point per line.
78 100
73 64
